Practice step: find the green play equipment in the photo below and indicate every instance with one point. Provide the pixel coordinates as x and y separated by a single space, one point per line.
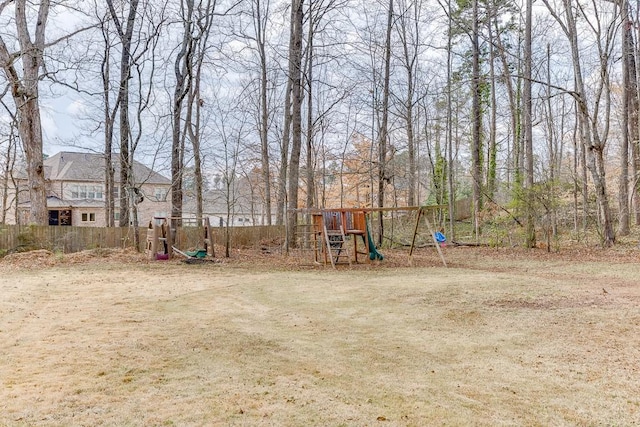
373 251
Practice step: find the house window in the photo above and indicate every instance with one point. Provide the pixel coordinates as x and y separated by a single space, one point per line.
87 192
161 194
53 217
116 193
95 192
88 217
60 217
65 217
116 216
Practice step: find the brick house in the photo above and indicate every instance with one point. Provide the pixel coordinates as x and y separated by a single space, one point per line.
75 191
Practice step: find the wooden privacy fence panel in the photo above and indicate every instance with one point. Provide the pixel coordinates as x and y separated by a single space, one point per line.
75 239
66 239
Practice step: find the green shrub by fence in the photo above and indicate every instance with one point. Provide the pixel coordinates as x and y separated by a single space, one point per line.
74 239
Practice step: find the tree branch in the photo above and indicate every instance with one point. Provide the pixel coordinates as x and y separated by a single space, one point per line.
70 35
5 4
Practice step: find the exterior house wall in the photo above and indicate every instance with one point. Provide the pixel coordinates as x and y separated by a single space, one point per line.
154 204
89 217
95 216
75 185
10 207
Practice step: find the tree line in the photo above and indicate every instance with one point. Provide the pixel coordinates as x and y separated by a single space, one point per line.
529 110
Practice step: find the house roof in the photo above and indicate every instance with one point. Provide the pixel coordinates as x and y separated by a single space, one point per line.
90 167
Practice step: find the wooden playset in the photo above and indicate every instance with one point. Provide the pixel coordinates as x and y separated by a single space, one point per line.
333 228
161 239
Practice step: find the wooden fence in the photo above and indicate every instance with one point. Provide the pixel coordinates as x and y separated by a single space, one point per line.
75 239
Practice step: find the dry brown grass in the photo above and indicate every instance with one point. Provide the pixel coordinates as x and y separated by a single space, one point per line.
502 337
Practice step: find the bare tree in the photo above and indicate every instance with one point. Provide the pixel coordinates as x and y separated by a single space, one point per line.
196 20
25 93
255 34
9 161
530 238
260 14
285 140
125 33
182 70
310 58
409 32
230 130
316 64
195 103
634 119
593 137
449 122
627 93
109 117
383 134
512 82
476 113
295 79
143 71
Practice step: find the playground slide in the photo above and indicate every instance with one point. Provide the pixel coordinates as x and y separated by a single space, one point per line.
373 252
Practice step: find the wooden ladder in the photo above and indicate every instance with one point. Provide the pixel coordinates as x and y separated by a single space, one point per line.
336 246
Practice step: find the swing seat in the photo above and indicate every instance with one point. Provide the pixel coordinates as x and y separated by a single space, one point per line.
198 253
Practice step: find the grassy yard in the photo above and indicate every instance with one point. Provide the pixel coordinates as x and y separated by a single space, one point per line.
491 340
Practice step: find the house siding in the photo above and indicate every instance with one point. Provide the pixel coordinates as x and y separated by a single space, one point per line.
66 194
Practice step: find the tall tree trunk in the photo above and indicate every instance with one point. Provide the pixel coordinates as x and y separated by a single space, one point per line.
450 158
192 128
286 130
514 109
195 102
627 93
410 61
633 102
264 112
593 147
25 92
634 123
476 113
555 152
182 71
593 143
126 36
584 174
295 68
530 237
310 158
7 175
281 198
109 121
383 133
492 146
